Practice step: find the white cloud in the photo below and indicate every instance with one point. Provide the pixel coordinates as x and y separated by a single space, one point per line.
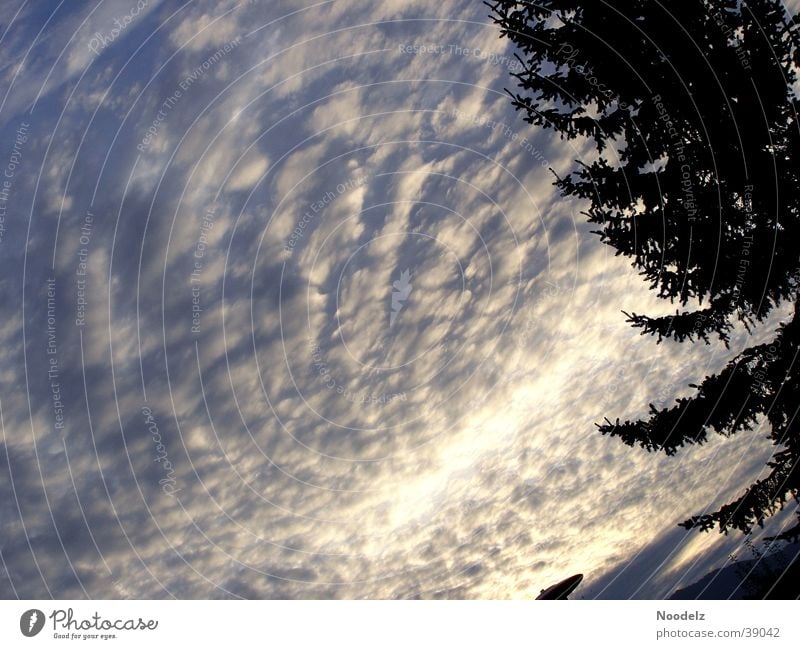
483 476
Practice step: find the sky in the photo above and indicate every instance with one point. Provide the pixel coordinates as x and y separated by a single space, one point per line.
293 310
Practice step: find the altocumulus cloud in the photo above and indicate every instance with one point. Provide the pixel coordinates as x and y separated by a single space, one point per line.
242 415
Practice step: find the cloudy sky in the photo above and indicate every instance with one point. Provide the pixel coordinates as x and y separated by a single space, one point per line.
291 309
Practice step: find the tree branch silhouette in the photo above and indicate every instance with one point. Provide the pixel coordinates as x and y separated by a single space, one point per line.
695 178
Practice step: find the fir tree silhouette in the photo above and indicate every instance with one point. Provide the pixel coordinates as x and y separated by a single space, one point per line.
696 178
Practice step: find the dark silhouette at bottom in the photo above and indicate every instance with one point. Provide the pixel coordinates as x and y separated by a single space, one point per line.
562 589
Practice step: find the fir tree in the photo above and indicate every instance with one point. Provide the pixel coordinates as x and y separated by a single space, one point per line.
696 178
